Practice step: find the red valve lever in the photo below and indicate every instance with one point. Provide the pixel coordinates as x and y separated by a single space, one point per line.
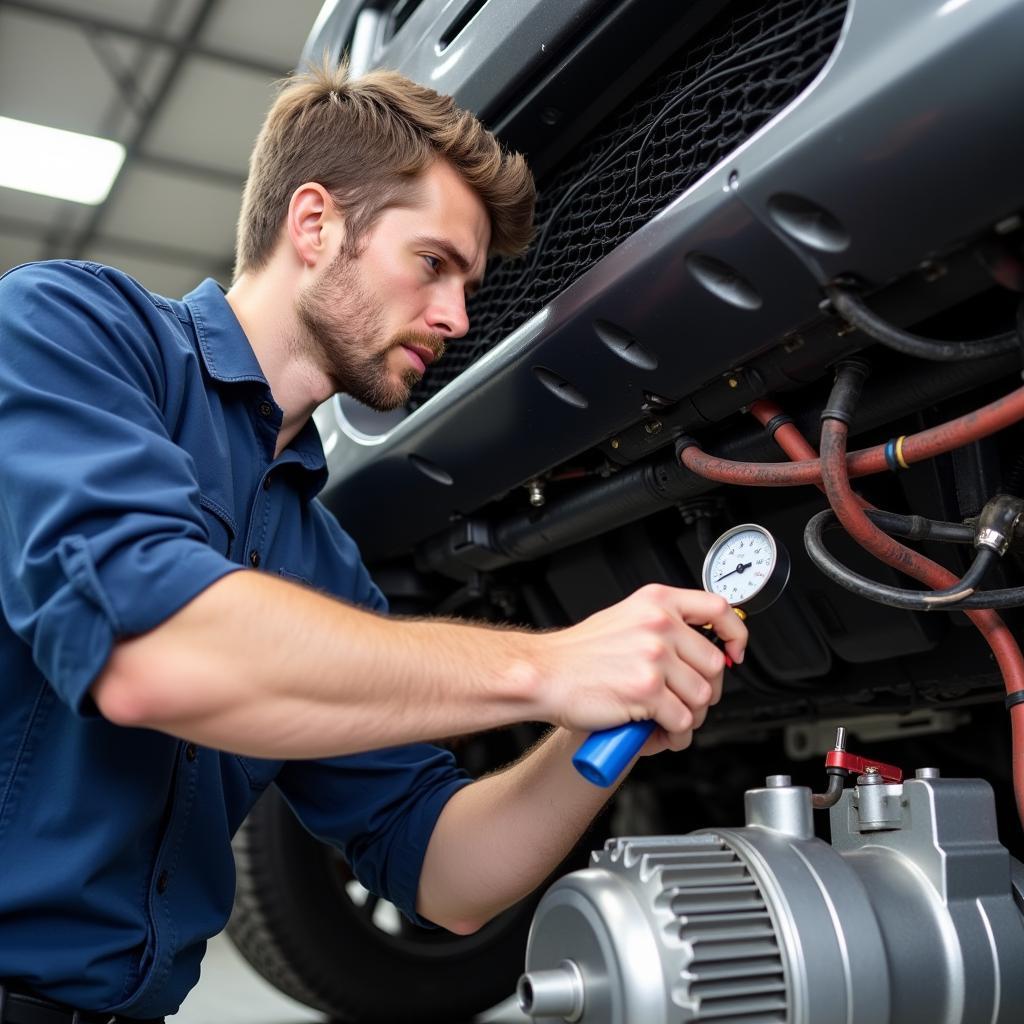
857 764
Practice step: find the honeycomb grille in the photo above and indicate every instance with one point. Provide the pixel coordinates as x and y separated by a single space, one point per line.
740 71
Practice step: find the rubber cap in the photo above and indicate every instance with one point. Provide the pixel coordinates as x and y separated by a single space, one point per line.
604 755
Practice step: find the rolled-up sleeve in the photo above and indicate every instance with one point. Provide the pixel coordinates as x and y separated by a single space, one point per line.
101 531
379 809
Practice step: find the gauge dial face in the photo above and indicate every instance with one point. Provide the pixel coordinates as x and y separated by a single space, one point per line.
740 564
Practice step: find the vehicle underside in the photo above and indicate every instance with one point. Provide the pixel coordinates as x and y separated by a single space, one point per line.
738 203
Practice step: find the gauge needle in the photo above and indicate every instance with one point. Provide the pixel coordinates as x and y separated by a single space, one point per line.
739 568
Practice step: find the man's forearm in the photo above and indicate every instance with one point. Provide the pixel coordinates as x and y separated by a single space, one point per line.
259 666
262 667
498 839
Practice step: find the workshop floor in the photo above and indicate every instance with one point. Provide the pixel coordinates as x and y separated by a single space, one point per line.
230 992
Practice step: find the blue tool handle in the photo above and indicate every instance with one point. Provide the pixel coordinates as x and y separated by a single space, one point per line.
603 755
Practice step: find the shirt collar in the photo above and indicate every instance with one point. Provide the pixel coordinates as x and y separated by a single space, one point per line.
225 349
229 358
307 450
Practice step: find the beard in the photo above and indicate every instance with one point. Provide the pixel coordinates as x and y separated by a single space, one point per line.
343 328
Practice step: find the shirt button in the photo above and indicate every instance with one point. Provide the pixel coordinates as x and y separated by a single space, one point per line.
266 409
161 882
266 482
190 752
254 558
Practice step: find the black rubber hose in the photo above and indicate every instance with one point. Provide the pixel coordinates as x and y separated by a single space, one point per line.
642 490
596 507
898 597
844 397
920 528
850 307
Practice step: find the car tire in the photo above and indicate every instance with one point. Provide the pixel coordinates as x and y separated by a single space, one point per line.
305 925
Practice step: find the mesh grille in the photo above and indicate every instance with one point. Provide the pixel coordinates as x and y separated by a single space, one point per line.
741 70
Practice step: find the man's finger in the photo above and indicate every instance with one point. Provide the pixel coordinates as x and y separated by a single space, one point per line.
680 740
689 685
721 617
673 714
695 647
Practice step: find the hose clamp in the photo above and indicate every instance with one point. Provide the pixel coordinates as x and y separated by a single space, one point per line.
997 522
683 442
781 420
989 538
1013 699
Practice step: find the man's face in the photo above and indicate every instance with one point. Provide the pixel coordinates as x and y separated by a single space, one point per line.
378 319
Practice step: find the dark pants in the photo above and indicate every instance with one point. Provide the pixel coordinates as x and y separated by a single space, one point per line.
20 1008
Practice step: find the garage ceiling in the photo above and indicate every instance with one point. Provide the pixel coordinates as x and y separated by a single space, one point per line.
184 86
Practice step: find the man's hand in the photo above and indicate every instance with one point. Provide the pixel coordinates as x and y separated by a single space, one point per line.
646 657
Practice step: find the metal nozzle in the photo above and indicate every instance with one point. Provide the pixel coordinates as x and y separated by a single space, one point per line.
557 993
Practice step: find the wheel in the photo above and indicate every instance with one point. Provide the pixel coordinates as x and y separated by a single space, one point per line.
310 929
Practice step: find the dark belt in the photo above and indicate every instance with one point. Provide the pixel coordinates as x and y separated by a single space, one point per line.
19 1008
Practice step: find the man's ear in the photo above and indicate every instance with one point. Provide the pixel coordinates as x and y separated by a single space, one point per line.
314 224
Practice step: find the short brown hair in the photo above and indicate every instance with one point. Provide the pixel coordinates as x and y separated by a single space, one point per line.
366 140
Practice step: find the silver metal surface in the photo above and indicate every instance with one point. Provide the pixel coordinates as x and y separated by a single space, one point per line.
535 490
878 804
474 64
783 808
557 994
868 143
915 925
994 539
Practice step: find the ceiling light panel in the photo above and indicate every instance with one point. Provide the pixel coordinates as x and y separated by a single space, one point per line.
57 163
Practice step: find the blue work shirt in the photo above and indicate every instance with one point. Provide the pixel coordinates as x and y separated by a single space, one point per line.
137 467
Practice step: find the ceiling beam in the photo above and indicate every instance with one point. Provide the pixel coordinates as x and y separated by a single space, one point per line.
95 23
139 135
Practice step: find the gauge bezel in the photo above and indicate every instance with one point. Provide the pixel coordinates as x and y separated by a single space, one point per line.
770 590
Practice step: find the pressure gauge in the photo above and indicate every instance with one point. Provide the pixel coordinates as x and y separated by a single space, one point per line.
746 566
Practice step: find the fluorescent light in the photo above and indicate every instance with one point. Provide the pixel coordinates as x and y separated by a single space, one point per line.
51 162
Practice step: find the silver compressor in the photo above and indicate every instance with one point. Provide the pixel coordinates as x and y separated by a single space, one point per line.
914 914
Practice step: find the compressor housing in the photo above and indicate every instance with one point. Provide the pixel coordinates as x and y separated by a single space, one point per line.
913 915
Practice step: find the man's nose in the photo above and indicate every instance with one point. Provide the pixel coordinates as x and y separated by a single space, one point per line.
447 314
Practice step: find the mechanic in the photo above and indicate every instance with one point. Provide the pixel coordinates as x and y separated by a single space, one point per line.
184 624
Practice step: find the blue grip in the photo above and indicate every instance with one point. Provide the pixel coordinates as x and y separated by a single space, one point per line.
603 755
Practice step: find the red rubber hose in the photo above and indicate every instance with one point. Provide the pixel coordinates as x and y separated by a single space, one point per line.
972 426
999 638
849 510
789 438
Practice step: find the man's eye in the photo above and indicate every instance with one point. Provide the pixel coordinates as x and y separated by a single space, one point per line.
433 262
